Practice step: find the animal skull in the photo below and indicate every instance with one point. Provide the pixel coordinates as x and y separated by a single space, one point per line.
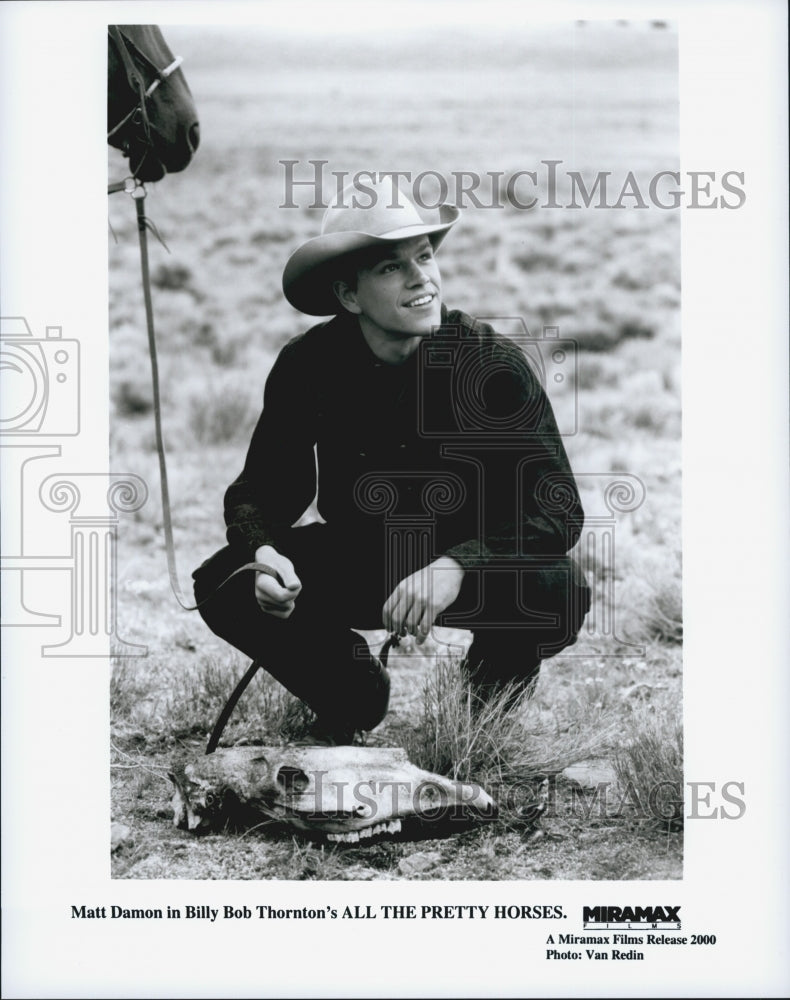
346 793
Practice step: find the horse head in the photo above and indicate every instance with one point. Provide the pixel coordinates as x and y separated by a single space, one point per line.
151 116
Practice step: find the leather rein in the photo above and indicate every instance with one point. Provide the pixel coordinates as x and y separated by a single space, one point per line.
134 187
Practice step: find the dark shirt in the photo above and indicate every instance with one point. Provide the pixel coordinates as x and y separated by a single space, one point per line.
457 444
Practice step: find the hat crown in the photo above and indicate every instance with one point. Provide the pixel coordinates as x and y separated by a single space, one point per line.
375 209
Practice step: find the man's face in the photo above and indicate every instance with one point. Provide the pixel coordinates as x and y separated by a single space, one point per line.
398 296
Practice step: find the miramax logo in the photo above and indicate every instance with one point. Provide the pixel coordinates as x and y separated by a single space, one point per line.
633 917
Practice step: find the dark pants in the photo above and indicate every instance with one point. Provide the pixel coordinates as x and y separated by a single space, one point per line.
519 614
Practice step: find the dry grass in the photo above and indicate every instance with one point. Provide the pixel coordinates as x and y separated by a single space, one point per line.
190 701
501 740
222 414
655 608
650 768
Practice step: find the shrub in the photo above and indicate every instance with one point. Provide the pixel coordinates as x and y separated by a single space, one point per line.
173 277
506 739
223 414
127 689
265 712
133 398
657 612
650 768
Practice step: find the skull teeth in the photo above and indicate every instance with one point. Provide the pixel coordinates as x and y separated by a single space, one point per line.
354 836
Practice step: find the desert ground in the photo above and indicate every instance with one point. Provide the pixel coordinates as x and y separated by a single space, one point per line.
607 713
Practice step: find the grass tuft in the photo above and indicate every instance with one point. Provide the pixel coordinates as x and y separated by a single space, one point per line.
650 767
133 398
172 277
222 415
658 614
507 739
192 701
266 711
663 619
127 689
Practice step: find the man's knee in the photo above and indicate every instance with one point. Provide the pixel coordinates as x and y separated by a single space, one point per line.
547 597
522 621
226 603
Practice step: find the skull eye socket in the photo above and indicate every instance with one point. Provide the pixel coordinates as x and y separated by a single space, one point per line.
292 780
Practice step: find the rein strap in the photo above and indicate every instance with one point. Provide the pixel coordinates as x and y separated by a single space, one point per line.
167 520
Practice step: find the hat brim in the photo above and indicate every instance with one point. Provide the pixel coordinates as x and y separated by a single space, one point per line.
307 278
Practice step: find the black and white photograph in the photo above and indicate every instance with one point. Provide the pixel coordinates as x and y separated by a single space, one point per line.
394 472
469 338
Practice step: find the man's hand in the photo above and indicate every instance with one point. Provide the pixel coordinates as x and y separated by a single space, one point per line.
419 599
277 601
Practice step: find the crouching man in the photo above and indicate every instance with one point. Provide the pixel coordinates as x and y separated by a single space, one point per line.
440 475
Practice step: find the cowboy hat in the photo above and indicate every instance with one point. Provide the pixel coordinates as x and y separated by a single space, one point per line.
348 227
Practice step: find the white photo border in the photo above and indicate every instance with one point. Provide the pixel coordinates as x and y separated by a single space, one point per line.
55 716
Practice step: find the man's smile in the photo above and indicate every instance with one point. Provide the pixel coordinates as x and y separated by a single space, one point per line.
421 300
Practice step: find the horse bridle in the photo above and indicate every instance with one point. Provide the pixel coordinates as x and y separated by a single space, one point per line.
139 113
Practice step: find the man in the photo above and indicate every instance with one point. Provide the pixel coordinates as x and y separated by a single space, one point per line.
441 478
